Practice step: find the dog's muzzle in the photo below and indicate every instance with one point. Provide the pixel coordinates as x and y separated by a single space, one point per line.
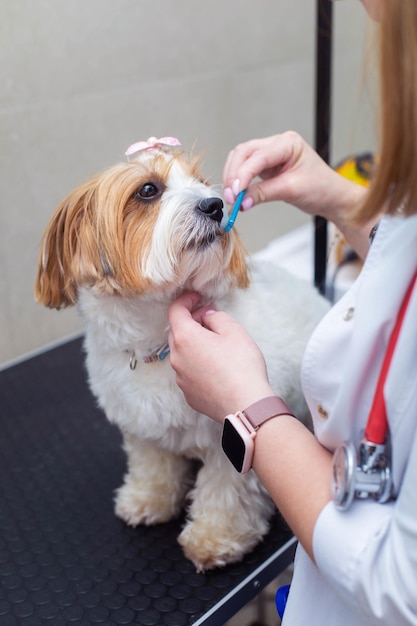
212 207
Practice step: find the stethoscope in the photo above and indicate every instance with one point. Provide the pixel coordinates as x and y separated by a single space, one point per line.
366 472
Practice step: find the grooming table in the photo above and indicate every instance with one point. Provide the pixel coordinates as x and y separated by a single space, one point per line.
64 556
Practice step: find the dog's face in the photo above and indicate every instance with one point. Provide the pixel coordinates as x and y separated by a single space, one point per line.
152 224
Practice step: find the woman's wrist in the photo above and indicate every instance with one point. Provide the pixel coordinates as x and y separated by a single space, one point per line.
340 212
247 397
345 197
240 429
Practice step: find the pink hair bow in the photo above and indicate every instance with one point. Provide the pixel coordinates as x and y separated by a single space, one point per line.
152 144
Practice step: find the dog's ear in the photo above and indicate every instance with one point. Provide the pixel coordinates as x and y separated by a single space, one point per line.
68 253
238 266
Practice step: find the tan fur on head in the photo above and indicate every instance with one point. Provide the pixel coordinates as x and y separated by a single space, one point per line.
103 234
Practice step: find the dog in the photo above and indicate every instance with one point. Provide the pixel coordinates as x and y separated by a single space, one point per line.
123 247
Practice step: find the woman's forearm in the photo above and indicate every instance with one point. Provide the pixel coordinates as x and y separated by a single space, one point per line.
296 470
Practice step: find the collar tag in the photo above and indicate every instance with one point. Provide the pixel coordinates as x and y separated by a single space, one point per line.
158 355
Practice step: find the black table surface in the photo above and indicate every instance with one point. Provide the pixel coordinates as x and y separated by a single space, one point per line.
64 556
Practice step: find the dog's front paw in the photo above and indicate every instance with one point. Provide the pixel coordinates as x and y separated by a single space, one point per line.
136 505
210 545
155 486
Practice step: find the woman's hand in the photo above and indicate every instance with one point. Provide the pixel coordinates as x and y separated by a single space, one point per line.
288 167
285 167
218 366
221 370
290 170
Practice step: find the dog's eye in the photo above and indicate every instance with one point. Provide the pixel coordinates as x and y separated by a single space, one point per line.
148 191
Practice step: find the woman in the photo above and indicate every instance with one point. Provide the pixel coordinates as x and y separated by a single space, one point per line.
358 566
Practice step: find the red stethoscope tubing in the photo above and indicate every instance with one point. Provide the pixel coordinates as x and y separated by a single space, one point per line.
377 425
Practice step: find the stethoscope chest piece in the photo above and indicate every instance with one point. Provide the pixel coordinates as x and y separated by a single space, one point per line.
362 475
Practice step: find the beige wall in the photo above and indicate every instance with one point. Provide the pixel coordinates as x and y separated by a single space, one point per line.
80 81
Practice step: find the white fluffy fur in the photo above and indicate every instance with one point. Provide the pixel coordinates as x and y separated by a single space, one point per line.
228 513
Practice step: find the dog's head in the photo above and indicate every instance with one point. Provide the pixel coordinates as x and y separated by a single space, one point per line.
151 224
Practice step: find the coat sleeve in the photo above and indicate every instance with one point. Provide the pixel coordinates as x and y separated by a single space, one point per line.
368 554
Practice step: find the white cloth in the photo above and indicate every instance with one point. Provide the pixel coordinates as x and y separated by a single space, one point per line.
366 557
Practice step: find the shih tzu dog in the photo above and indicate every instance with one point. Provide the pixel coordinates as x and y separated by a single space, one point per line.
122 247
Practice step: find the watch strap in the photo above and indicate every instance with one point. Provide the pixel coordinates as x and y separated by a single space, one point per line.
265 409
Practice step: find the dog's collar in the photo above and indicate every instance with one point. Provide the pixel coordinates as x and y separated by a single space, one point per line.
157 355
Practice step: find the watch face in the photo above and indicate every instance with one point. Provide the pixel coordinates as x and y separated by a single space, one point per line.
233 445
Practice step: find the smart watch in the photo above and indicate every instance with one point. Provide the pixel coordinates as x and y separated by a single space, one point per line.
239 430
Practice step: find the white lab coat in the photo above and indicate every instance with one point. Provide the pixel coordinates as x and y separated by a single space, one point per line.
366 557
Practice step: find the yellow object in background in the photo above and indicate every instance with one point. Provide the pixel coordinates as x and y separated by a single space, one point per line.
358 169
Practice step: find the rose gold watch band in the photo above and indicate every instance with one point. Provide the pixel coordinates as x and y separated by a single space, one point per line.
265 409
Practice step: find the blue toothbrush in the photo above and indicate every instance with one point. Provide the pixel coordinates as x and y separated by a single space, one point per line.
235 211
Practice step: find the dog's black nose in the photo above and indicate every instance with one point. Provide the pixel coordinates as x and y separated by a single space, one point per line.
212 207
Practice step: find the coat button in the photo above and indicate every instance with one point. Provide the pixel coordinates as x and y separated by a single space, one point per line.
348 314
322 412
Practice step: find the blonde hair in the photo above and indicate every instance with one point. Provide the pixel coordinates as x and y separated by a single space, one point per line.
395 181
